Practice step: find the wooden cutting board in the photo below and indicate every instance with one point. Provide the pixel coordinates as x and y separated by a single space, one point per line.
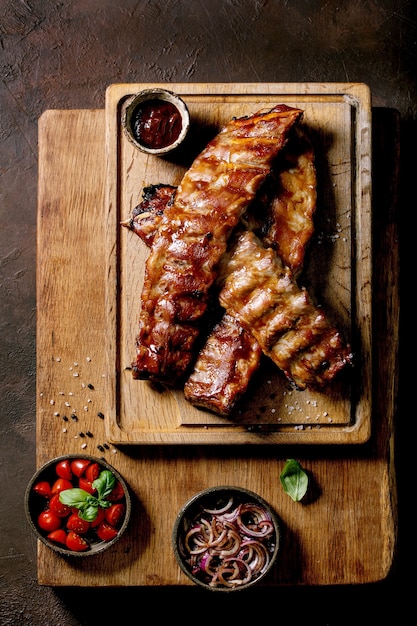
337 272
345 533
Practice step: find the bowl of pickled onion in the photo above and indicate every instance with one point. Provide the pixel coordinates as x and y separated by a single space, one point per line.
226 538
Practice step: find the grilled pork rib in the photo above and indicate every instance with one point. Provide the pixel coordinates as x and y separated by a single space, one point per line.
192 238
282 215
262 294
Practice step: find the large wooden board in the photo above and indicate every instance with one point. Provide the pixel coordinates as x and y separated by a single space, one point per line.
338 270
346 531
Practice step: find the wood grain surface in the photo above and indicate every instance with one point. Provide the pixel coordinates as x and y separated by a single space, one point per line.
337 273
344 533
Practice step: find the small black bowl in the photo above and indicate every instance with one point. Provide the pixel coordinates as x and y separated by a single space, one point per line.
226 538
35 503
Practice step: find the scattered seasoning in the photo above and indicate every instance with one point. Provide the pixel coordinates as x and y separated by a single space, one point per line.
84 446
106 445
81 434
74 417
100 415
99 447
64 430
88 358
75 374
52 402
90 386
89 434
56 413
65 418
67 404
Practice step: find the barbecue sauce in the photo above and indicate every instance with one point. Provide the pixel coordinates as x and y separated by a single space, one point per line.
156 123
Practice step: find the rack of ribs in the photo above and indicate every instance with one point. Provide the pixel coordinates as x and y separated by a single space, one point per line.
231 354
262 294
192 238
282 216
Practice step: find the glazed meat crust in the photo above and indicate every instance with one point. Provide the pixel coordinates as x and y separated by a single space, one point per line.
147 215
262 294
192 238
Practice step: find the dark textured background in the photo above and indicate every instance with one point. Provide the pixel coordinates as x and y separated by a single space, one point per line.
63 54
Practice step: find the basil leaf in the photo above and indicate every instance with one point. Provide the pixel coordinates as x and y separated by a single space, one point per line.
294 480
74 497
89 512
104 484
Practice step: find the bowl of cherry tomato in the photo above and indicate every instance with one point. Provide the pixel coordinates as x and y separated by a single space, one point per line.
226 538
78 505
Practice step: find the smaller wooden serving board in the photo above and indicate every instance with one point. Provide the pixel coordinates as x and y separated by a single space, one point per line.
338 270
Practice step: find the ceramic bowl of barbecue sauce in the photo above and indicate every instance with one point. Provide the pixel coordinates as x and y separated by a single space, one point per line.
156 121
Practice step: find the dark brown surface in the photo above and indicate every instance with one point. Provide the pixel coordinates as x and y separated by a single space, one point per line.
64 55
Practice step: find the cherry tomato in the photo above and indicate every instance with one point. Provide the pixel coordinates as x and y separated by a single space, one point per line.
106 532
85 484
115 513
75 542
78 466
117 493
63 469
49 521
78 525
92 472
43 488
57 507
100 517
58 536
60 485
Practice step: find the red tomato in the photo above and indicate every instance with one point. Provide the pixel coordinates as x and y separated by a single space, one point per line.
99 518
92 472
85 484
57 507
78 466
49 521
63 469
43 488
106 532
60 485
117 493
78 525
58 536
76 543
115 513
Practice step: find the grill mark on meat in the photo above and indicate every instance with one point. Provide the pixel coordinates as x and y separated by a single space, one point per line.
192 237
262 294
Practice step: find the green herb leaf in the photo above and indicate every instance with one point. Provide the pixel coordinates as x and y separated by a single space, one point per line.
75 497
104 484
89 512
86 503
294 480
